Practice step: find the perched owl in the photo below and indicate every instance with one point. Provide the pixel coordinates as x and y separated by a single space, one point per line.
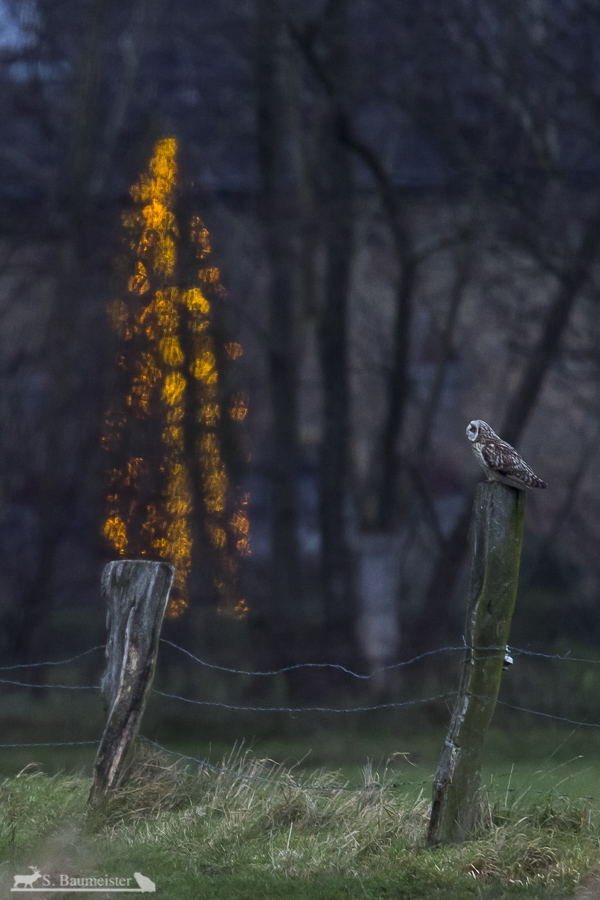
499 460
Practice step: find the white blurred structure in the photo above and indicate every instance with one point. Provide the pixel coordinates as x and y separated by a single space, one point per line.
378 582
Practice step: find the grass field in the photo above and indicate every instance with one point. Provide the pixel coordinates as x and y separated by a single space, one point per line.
355 826
350 831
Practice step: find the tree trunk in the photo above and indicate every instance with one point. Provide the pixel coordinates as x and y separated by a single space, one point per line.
279 136
387 462
465 259
339 598
67 432
383 488
544 354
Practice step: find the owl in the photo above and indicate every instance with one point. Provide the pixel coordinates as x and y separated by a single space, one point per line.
499 460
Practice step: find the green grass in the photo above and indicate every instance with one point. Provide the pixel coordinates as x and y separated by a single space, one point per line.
199 833
210 835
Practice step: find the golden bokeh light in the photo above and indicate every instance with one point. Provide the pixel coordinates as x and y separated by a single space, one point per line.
239 407
164 430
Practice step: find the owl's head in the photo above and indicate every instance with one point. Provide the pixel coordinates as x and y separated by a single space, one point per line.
473 429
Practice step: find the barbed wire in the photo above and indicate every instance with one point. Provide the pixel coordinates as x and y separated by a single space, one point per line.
522 651
566 657
563 657
301 709
58 662
338 666
311 709
298 709
66 687
243 776
535 712
52 744
290 781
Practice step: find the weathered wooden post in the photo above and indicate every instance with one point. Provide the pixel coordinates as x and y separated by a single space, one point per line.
496 537
137 592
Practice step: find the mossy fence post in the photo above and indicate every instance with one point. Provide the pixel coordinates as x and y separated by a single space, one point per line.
137 592
495 537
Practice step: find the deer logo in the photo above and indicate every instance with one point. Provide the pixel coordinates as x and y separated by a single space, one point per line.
22 882
146 884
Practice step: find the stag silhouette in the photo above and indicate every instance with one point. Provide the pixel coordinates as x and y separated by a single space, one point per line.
27 880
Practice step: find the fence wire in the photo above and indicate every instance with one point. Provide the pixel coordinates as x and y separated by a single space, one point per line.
65 687
302 709
53 744
54 662
325 665
535 712
521 651
289 781
517 651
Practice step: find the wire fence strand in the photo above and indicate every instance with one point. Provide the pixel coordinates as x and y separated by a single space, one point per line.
289 781
545 715
52 744
564 657
303 709
521 651
561 657
56 662
65 687
311 665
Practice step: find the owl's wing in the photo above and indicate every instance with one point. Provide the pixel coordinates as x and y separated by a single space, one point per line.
499 458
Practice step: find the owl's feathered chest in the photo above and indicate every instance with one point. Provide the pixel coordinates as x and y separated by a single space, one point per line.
488 455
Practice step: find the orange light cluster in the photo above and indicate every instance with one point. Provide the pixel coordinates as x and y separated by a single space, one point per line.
170 363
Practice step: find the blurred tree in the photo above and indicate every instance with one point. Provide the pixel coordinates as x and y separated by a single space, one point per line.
338 198
168 483
59 160
283 198
474 128
381 498
521 78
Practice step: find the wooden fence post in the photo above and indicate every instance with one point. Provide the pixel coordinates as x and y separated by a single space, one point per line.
496 537
137 592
